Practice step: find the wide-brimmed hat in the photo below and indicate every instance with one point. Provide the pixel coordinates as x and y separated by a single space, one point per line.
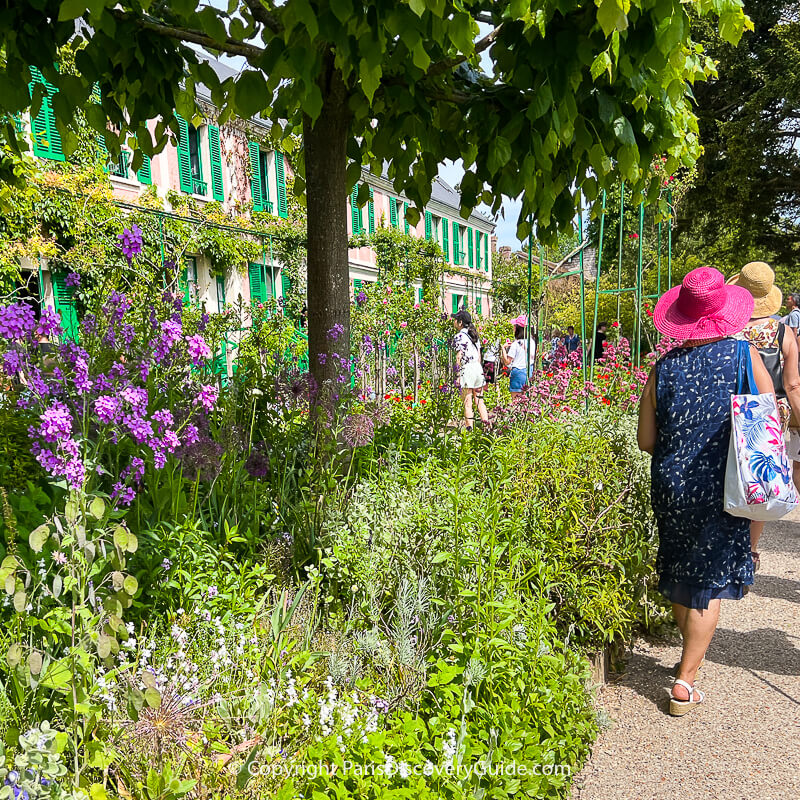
521 320
703 307
759 279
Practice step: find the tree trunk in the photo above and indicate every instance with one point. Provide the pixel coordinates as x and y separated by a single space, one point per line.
325 151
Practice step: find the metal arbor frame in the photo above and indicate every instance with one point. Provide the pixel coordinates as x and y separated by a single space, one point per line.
637 289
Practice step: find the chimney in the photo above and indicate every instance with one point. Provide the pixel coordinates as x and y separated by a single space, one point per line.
505 250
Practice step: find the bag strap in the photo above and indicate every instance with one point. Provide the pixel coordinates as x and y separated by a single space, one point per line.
781 333
744 369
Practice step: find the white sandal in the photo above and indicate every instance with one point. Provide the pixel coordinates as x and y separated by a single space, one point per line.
677 708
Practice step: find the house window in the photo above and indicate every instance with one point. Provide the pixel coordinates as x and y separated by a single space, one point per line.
220 292
459 301
119 166
263 167
195 160
187 281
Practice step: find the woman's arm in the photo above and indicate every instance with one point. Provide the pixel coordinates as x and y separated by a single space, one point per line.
791 373
647 431
506 358
763 378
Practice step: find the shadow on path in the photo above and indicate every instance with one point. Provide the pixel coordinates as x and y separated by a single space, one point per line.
761 650
779 588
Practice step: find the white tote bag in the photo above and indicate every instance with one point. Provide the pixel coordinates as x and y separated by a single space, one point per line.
758 477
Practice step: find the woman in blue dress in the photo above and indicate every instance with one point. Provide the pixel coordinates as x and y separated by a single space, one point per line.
684 422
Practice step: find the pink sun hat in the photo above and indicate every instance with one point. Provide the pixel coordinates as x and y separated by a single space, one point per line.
522 320
703 307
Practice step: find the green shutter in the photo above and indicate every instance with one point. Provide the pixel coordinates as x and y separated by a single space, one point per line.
456 251
356 212
220 293
478 305
64 304
420 294
46 138
357 284
393 212
283 209
256 190
428 225
405 219
184 164
144 173
371 211
470 250
455 303
255 275
445 239
286 285
486 252
477 249
183 285
217 190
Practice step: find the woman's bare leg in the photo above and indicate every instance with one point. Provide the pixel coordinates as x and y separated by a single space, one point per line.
756 529
484 414
466 396
698 631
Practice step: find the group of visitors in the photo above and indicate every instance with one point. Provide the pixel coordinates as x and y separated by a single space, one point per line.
515 358
565 344
705 555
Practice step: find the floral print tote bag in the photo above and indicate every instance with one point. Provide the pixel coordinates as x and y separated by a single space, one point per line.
758 477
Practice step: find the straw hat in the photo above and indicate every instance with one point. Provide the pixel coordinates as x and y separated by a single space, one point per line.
703 307
759 279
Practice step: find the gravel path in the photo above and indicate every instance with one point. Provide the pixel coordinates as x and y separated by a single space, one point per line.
745 741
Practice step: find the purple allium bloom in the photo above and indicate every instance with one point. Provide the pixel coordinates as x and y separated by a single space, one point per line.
106 408
130 242
16 321
73 280
335 332
49 323
202 459
358 430
257 464
198 349
207 397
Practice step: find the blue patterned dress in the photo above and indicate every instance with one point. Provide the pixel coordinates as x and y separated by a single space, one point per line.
703 552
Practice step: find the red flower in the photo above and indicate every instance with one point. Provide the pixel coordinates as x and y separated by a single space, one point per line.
606 401
615 324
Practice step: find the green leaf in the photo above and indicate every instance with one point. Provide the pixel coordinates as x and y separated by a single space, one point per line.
611 16
601 65
20 601
342 9
58 586
58 674
245 772
624 131
152 697
251 94
130 585
417 6
103 646
71 9
499 153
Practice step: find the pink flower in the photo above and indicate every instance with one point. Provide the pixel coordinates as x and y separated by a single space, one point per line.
403 324
385 302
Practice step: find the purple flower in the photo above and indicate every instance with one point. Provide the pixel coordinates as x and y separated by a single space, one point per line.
124 495
207 397
322 358
204 318
134 470
190 435
16 321
81 379
107 407
130 242
49 323
141 430
335 332
73 280
56 423
257 464
12 361
361 298
198 349
164 419
358 430
136 397
213 591
202 459
166 565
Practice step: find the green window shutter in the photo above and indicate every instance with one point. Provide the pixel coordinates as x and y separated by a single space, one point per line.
64 304
445 239
371 211
406 226
184 164
286 285
456 251
455 303
420 294
486 251
46 138
256 189
255 275
102 147
357 284
220 292
393 212
283 208
356 212
144 173
428 225
478 305
183 285
217 190
470 251
477 249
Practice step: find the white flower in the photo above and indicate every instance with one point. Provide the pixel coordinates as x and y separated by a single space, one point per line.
403 769
306 721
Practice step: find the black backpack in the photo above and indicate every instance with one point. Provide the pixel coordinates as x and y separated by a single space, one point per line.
772 358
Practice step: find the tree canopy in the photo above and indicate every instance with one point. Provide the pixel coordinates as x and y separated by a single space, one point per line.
580 94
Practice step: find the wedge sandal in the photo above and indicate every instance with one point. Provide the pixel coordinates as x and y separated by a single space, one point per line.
677 708
677 668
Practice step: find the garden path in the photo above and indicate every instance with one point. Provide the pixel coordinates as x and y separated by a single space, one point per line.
745 742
